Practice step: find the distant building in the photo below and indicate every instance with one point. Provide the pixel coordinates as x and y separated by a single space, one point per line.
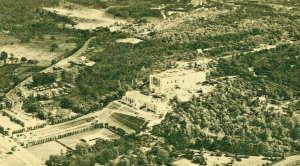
175 79
198 2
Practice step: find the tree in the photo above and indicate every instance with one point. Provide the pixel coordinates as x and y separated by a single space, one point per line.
43 78
66 103
4 56
53 47
12 57
54 160
82 148
105 156
23 59
199 160
32 108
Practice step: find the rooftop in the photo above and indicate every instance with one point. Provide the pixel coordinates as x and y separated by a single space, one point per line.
173 73
137 94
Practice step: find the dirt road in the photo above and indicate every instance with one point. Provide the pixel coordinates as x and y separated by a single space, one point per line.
287 161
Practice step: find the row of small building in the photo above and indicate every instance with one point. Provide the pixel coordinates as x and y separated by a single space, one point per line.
18 123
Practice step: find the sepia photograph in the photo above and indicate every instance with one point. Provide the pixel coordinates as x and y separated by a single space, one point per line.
149 82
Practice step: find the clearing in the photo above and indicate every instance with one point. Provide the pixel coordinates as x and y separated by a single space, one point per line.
87 18
19 51
43 151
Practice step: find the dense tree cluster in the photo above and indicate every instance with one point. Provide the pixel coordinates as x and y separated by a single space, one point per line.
275 71
125 151
43 79
230 119
133 12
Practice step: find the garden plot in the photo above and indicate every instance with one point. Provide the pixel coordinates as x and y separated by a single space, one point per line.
87 18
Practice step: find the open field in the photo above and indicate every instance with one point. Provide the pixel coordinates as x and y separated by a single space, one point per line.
289 161
252 160
87 18
8 39
72 141
16 158
184 162
43 151
38 49
44 57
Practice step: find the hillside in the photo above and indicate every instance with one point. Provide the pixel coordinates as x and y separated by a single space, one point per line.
245 109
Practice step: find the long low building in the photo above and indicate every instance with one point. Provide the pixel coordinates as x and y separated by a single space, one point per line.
25 122
140 101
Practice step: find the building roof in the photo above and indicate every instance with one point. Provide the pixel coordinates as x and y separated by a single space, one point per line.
173 73
138 95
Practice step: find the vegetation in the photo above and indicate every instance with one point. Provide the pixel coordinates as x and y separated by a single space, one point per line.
275 70
253 113
11 75
105 151
133 12
43 79
133 8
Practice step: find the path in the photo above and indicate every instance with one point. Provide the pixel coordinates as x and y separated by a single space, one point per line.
288 160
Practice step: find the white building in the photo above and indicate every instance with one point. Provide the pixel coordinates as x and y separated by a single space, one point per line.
140 101
175 79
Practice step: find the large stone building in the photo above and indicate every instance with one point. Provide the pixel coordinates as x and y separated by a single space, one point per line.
175 79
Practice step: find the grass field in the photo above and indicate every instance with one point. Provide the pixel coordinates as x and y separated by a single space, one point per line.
38 49
86 18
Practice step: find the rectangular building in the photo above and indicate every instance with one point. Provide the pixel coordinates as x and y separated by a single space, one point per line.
140 101
172 79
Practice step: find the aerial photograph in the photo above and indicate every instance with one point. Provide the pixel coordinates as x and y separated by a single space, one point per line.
149 82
